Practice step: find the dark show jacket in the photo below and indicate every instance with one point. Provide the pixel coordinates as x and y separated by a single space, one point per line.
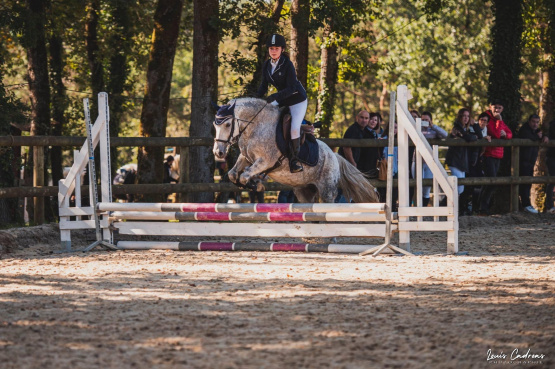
458 156
284 79
528 154
357 132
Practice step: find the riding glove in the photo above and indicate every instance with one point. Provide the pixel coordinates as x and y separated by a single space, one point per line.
271 98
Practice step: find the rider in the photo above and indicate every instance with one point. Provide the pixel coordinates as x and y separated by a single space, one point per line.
280 72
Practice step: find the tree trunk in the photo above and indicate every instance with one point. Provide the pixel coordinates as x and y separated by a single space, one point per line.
547 104
154 113
504 79
205 90
269 26
328 79
93 53
300 15
59 104
39 92
120 43
506 66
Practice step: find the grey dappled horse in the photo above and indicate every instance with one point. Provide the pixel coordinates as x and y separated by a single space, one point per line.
253 126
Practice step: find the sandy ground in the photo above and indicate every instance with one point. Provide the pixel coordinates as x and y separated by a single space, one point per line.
163 309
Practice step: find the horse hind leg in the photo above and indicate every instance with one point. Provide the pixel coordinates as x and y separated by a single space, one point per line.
327 193
307 194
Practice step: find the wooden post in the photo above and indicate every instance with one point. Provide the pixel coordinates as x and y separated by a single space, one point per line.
38 181
403 164
183 171
515 173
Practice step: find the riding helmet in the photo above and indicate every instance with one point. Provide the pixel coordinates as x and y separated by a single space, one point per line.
276 40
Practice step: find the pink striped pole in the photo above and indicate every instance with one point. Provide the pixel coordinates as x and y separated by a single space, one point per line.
244 208
242 246
260 217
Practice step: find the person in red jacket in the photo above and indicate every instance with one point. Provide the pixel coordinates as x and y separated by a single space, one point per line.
497 129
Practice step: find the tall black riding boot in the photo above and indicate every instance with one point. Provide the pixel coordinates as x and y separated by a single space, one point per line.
294 148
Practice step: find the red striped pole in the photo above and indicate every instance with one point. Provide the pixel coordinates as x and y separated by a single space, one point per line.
242 246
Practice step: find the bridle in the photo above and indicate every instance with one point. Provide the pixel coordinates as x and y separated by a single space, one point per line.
231 139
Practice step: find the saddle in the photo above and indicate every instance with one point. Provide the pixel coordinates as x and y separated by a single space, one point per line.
307 131
309 152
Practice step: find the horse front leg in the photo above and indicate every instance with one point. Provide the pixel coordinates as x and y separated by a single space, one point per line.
256 168
238 168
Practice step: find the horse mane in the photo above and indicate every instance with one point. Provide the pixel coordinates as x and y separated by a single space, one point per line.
251 106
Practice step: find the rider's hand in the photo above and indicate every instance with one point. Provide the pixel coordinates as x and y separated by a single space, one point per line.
271 98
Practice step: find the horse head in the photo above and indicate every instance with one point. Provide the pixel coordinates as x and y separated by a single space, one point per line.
225 130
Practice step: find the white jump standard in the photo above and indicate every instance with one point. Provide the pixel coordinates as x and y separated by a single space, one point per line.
320 220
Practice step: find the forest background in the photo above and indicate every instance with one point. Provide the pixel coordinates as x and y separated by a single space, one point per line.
162 62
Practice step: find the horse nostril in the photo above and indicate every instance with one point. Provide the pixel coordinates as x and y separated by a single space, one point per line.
220 154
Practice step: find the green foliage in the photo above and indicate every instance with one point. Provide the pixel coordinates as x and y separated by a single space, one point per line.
506 65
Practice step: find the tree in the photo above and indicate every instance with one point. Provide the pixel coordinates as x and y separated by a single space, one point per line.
205 90
11 113
337 19
39 91
267 26
300 17
506 65
159 74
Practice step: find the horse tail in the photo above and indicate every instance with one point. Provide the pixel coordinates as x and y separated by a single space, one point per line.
354 184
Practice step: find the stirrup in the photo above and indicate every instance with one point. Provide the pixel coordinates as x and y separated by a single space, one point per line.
295 166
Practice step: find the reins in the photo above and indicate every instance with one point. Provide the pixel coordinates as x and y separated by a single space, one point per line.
233 140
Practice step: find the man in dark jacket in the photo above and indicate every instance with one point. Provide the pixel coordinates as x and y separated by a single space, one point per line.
528 155
357 130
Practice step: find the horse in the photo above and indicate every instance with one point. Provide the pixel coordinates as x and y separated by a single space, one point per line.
252 125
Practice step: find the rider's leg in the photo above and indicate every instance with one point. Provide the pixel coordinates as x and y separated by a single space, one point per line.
298 112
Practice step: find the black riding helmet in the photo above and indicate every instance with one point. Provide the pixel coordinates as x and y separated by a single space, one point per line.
276 40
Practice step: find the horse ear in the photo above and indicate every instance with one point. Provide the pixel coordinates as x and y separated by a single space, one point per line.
214 105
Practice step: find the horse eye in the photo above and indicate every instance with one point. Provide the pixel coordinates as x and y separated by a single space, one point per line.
228 125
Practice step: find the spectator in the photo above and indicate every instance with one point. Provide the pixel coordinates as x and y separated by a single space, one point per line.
430 131
458 156
168 170
395 168
476 159
528 156
497 129
356 131
369 156
415 114
375 124
549 206
286 197
168 173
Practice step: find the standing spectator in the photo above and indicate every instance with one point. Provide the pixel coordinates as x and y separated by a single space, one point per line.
430 131
528 156
415 114
168 170
497 129
168 174
549 206
476 162
458 156
375 124
395 168
357 131
369 156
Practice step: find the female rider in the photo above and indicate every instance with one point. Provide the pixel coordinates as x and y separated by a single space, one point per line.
280 72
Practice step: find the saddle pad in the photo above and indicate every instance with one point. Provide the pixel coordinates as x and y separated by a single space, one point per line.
309 152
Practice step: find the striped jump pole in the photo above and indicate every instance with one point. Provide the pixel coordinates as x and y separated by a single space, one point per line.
244 208
238 246
260 217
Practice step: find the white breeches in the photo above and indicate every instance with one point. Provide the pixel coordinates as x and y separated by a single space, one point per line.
297 115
